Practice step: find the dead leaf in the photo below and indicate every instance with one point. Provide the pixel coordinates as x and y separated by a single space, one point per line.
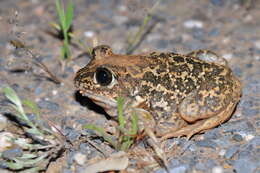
117 161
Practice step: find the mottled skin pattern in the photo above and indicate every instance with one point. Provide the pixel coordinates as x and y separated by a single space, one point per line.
185 94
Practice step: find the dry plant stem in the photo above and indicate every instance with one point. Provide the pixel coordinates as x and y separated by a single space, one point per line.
35 61
44 67
105 154
141 33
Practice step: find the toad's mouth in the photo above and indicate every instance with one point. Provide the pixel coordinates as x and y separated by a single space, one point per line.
104 102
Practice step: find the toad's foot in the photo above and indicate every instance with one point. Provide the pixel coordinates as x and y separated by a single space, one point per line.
202 125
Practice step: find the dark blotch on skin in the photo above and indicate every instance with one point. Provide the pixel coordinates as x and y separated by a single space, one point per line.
162 68
178 59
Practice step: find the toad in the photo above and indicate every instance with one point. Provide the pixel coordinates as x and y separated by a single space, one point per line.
184 94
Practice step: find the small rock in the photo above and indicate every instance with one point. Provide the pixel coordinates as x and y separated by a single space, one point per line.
179 169
257 44
89 34
5 141
162 44
3 122
212 134
222 152
205 166
218 2
255 142
245 165
80 158
198 33
237 71
71 134
249 137
231 152
250 112
12 153
207 143
217 169
84 148
38 91
214 32
237 137
45 104
193 24
120 20
54 92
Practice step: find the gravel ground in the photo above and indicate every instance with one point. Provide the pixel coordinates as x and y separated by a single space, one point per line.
229 28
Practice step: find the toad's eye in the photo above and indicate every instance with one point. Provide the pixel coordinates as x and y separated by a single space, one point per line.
103 76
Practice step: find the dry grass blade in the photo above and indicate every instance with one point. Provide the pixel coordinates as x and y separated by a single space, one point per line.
135 40
18 44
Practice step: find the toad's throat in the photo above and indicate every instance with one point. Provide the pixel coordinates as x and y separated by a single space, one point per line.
104 102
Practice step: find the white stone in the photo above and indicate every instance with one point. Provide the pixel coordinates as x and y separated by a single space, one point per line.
249 137
193 24
217 169
80 158
257 44
222 152
122 8
89 34
54 92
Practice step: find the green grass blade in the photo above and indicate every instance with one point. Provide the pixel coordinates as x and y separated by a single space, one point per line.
102 133
11 95
120 105
33 106
14 166
61 13
69 15
134 124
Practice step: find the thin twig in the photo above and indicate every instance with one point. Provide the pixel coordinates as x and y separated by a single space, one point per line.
35 61
141 33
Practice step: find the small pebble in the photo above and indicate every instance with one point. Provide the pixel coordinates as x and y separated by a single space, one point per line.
237 137
10 154
80 158
217 169
212 134
71 134
222 152
193 24
255 141
120 20
214 32
162 44
89 34
231 152
218 2
45 104
179 169
3 122
249 137
54 92
244 165
257 44
206 143
38 91
237 71
5 141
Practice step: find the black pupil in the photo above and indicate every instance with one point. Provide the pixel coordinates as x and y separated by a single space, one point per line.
103 76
